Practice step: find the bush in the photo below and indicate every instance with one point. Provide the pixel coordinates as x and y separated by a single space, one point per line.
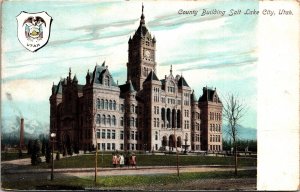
36 152
57 156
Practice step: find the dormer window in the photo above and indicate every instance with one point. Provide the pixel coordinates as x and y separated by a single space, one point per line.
106 80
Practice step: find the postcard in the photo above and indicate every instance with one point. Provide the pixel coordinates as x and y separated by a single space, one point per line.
153 95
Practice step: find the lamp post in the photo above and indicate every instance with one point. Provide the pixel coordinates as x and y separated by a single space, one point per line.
52 135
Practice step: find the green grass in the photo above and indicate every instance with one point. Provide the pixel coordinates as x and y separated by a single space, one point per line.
88 161
124 181
12 156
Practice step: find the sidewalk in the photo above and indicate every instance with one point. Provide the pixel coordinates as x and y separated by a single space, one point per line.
126 169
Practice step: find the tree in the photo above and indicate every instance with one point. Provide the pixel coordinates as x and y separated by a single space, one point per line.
233 111
29 147
48 153
36 152
43 146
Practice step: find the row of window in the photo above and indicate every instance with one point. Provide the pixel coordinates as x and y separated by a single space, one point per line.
107 146
171 89
215 127
106 120
215 147
106 134
105 104
215 116
215 138
196 138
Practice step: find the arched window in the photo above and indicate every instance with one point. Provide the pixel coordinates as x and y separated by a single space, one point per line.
102 104
106 104
109 120
114 120
103 119
132 109
131 122
114 105
98 120
122 121
156 135
98 103
110 105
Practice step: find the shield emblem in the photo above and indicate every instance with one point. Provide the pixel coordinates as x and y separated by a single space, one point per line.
34 29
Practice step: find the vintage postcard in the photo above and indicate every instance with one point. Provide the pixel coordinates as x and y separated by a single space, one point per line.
153 95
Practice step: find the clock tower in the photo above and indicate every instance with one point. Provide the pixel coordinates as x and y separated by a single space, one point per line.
141 55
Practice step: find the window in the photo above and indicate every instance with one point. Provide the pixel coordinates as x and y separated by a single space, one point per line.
114 105
98 119
102 103
103 146
108 134
121 146
122 107
131 122
113 146
132 135
106 80
103 133
132 109
98 134
108 146
106 104
122 135
113 134
103 119
108 120
114 120
110 105
156 135
98 103
122 121
136 135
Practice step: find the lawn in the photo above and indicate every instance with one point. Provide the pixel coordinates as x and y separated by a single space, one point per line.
125 181
5 156
88 161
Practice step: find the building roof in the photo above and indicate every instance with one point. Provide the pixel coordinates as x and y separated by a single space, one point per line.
208 95
152 77
182 82
98 73
127 87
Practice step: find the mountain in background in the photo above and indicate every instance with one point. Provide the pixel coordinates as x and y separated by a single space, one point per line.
244 133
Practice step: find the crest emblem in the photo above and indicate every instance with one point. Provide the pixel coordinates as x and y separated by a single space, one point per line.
34 29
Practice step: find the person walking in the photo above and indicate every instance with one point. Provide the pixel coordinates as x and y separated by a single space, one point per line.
114 160
133 160
121 157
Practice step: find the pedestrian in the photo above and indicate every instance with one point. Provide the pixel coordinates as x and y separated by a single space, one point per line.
114 160
121 160
133 160
118 160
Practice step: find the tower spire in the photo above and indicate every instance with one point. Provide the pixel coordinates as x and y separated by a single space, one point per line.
171 70
142 22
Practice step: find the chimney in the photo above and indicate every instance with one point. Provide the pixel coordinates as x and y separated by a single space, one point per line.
22 145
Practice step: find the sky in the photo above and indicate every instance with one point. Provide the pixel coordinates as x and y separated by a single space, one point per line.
210 50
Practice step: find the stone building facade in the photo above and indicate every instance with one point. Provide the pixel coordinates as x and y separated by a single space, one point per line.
145 113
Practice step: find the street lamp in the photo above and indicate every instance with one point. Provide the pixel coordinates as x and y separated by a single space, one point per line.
52 135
